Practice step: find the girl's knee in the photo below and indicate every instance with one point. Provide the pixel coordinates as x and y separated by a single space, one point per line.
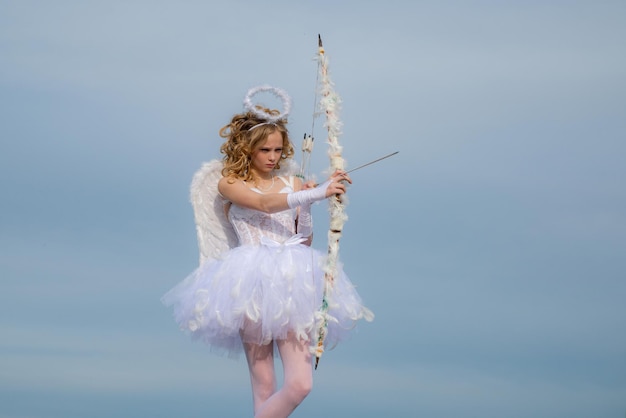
264 386
299 389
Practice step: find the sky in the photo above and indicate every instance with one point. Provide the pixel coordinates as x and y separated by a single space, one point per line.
491 248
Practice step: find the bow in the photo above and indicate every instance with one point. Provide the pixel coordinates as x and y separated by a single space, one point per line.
330 104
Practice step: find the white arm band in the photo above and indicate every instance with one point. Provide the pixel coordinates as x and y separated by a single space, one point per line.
305 221
306 197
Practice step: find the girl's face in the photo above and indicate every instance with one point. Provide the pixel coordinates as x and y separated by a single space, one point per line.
265 158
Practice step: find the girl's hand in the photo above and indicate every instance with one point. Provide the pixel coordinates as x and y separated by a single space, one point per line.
338 183
309 185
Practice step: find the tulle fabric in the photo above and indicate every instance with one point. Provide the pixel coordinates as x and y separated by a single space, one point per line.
259 293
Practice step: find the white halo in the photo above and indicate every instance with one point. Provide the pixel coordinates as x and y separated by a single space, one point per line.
280 93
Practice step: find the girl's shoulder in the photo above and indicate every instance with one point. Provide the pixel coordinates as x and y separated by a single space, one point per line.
228 183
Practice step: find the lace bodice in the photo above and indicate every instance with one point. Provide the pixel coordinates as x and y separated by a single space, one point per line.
251 225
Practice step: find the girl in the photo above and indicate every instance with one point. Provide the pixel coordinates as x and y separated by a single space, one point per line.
264 292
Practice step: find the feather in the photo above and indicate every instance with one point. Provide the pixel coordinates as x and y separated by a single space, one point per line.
215 233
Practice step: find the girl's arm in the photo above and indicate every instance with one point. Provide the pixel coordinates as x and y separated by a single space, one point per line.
238 193
304 221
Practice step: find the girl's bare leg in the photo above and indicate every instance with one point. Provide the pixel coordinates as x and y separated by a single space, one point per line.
262 377
298 374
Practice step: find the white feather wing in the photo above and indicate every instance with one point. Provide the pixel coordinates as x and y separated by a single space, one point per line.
215 233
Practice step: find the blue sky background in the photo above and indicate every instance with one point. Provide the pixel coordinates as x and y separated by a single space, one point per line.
491 248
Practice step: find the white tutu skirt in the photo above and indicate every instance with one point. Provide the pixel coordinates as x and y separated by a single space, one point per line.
257 294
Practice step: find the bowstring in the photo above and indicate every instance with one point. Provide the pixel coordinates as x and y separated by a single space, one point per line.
306 171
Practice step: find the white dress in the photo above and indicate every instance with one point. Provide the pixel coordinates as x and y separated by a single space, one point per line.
268 286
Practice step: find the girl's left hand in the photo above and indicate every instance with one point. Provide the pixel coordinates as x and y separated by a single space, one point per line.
339 176
338 182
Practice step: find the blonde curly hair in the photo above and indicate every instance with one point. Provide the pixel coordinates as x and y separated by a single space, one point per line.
242 141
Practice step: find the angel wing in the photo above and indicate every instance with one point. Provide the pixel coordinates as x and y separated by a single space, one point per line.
214 231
